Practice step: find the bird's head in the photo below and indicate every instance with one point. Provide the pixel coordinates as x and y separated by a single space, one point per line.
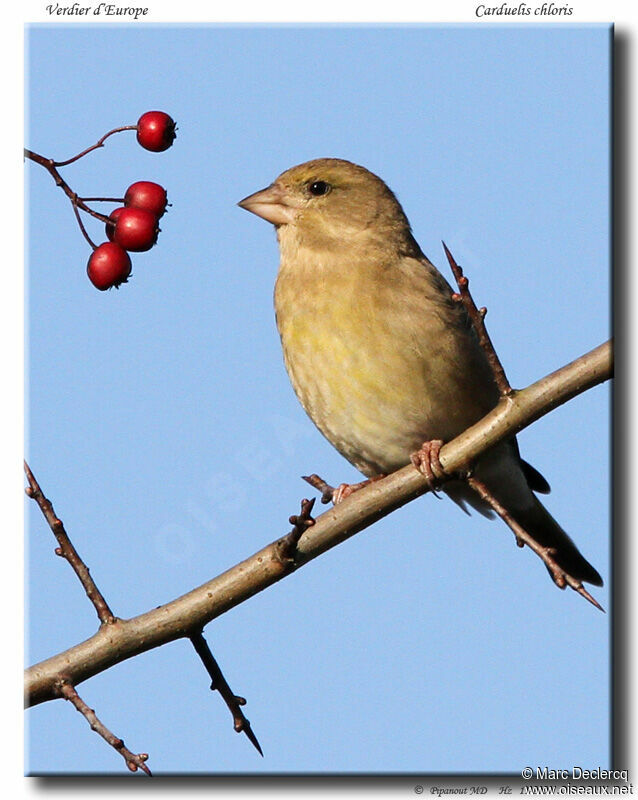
329 202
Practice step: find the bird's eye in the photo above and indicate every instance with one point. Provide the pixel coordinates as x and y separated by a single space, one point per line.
318 188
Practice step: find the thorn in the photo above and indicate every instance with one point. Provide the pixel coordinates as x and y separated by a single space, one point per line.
133 766
249 733
584 593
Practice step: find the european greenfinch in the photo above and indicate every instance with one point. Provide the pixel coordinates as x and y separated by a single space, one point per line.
379 353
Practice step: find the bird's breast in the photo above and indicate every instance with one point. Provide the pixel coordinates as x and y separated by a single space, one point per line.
377 358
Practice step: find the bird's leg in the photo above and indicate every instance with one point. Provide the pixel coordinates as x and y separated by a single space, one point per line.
330 494
426 460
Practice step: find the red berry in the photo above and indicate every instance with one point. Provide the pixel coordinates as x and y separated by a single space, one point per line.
136 229
110 229
155 131
148 195
109 265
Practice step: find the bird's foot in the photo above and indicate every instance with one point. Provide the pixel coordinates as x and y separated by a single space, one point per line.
426 460
346 489
338 494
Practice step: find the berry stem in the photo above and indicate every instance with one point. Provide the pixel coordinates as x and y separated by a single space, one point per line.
50 165
101 199
99 143
82 228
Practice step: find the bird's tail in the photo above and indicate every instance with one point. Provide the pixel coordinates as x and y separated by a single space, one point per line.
537 520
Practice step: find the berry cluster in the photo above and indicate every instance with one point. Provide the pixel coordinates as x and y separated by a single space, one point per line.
133 226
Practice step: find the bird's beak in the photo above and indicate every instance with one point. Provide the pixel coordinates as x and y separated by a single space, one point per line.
272 204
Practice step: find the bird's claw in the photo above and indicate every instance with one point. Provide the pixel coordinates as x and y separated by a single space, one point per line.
329 493
344 490
426 460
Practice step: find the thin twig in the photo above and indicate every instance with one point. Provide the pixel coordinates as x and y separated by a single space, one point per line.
66 550
320 485
301 523
560 576
219 684
477 316
134 761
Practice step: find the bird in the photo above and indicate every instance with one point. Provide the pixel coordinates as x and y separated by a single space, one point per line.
380 354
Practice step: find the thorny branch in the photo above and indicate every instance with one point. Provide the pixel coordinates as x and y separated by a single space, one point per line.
65 689
133 761
560 577
66 549
477 316
179 618
219 684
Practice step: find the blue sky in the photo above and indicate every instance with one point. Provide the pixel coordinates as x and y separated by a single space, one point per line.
158 414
